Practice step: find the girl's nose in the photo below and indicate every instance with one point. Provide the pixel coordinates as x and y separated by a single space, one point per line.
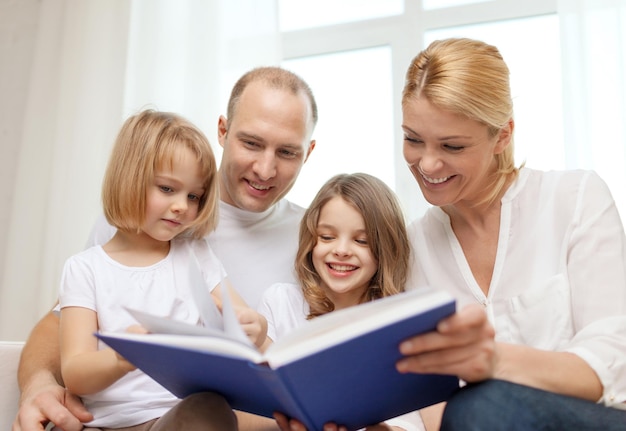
180 205
342 248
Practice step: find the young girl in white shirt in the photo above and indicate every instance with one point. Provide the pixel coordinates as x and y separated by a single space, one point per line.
160 192
353 248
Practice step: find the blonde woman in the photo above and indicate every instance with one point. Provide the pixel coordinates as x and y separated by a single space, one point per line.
543 253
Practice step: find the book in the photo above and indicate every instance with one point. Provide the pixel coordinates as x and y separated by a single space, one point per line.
339 367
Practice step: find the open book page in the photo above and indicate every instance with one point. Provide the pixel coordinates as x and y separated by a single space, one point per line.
214 344
314 336
340 367
209 313
215 324
232 327
341 325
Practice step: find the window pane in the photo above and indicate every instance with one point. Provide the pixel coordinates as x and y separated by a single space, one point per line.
531 48
439 4
299 14
355 131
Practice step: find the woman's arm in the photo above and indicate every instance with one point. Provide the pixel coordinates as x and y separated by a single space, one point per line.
464 345
560 372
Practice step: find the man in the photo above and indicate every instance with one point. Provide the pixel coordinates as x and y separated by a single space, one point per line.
266 139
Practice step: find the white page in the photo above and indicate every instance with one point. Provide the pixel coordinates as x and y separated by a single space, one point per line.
232 327
209 313
224 346
341 325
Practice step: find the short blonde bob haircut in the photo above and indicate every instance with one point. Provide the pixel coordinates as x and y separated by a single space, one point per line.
470 78
386 235
148 142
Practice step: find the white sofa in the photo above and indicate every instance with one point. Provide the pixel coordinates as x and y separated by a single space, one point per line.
9 393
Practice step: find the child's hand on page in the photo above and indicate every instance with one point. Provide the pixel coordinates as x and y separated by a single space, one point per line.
253 324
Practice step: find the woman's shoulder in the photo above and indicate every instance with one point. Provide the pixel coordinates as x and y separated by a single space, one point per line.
559 182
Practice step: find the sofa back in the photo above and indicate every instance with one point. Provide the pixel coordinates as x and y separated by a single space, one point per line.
9 393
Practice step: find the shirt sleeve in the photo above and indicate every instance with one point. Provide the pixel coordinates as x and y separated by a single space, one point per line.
77 284
597 274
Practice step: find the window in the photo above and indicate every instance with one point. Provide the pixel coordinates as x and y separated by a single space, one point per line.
355 129
527 33
299 14
440 4
531 48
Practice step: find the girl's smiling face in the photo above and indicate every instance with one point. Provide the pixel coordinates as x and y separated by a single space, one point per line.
342 256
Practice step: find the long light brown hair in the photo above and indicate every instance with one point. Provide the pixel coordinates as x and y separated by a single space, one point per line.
386 236
147 142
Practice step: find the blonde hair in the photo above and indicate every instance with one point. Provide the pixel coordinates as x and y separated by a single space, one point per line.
386 236
147 142
470 78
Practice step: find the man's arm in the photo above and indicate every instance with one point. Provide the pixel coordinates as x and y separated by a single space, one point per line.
41 354
43 398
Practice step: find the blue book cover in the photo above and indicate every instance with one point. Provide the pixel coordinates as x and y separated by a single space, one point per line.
339 367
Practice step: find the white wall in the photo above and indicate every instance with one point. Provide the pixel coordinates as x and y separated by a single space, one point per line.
18 28
62 129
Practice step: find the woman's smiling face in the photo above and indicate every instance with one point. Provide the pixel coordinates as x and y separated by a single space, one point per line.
450 156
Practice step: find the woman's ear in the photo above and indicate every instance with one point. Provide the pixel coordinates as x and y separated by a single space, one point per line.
504 137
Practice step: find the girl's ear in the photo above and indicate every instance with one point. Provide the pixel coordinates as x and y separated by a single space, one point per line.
504 137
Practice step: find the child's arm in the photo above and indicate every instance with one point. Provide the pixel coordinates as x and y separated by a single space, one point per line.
86 369
253 323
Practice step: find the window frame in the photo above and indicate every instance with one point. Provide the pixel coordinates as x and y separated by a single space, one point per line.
405 35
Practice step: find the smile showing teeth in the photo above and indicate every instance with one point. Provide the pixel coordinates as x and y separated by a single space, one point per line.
258 186
435 180
342 268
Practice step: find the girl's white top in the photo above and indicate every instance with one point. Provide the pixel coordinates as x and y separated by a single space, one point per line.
91 279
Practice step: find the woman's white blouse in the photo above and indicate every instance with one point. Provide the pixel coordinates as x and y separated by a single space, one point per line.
559 280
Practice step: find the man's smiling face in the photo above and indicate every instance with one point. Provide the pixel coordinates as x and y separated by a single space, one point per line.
265 146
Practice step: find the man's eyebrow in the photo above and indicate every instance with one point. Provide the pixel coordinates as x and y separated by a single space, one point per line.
246 136
249 136
292 147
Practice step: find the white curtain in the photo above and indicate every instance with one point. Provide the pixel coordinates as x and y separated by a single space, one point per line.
593 38
96 62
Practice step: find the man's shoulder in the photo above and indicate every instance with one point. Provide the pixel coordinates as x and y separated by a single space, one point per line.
285 206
